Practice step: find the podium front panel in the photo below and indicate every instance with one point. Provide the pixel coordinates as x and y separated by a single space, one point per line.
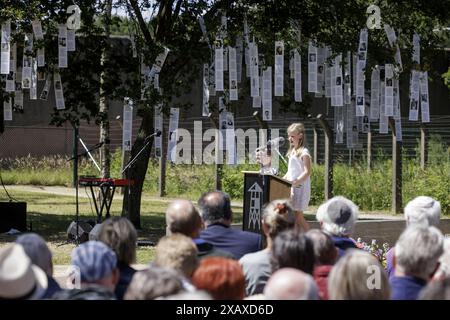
255 196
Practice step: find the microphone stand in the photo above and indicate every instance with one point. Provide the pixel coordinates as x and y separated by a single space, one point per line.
75 159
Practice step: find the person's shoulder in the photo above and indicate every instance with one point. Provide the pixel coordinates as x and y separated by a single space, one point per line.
253 257
305 152
250 234
215 252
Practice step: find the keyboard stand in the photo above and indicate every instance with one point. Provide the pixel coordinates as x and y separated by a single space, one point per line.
106 201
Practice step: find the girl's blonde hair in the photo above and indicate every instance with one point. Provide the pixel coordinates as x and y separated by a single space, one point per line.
297 128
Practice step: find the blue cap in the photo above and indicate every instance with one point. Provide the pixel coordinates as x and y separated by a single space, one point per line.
95 260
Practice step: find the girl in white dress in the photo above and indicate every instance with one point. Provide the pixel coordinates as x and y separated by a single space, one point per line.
299 171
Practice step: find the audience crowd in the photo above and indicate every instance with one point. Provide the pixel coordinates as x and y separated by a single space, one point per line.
204 257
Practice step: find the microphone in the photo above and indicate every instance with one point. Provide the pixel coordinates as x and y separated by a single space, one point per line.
273 143
157 133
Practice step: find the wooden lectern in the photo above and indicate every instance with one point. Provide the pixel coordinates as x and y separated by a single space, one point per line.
260 189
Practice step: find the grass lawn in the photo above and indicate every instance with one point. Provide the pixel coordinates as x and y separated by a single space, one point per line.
50 215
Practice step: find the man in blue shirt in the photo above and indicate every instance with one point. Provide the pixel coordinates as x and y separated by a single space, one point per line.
416 258
215 209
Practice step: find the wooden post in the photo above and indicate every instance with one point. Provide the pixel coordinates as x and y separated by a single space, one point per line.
125 157
162 167
369 150
329 157
75 156
262 125
423 146
396 170
315 141
218 162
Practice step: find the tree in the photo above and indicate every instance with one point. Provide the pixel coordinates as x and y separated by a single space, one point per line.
334 24
174 25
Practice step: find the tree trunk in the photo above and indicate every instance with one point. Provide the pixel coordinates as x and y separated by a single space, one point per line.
105 155
2 120
132 196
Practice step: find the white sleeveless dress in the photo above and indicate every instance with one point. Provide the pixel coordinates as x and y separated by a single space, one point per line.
300 195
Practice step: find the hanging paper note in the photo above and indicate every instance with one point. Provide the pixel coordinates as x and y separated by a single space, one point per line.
248 65
158 127
416 48
59 94
218 66
205 103
5 47
297 76
375 94
7 109
267 94
173 136
230 140
414 95
212 80
71 40
27 61
233 74
347 79
312 67
239 54
254 73
336 90
339 124
328 66
365 121
321 52
360 69
424 97
37 29
127 129
389 90
222 36
159 63
33 87
383 124
279 68
10 83
45 90
18 100
62 46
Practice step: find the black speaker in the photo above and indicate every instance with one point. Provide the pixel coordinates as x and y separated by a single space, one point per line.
13 215
83 231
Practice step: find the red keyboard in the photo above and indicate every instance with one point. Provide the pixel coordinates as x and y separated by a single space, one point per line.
98 182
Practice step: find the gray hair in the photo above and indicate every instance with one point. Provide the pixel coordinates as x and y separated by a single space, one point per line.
418 250
215 206
338 216
444 262
152 283
349 278
182 217
278 215
324 248
424 211
290 284
120 235
436 290
178 252
194 295
37 250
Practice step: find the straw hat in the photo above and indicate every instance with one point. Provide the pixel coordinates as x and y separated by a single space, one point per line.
19 278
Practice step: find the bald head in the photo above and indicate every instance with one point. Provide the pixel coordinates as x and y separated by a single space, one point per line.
290 284
215 206
182 217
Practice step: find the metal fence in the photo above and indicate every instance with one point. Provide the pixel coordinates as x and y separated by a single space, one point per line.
38 141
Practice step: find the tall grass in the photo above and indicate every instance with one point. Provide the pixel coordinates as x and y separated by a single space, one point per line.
369 189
